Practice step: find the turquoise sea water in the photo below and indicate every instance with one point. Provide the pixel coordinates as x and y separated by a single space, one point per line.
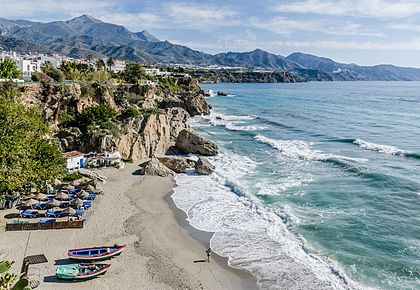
317 185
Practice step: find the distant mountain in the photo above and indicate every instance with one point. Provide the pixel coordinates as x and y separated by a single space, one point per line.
341 71
86 35
256 58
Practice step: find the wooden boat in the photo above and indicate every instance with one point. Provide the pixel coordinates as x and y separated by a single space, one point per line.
95 253
81 272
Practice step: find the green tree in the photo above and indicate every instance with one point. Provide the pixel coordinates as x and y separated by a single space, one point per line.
28 157
110 62
101 116
49 69
100 64
8 69
133 72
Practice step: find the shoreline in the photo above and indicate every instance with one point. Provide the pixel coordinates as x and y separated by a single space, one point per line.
139 212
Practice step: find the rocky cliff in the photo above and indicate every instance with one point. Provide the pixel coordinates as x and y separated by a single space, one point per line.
146 120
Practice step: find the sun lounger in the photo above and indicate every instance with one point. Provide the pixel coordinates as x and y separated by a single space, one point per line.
91 196
87 204
29 214
80 212
76 190
53 213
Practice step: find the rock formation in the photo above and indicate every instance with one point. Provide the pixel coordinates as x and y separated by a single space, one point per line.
156 168
189 141
176 163
204 167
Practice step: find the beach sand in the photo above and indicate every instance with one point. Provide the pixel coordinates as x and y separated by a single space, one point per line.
136 211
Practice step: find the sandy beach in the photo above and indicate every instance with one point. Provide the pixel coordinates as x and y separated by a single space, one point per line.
136 211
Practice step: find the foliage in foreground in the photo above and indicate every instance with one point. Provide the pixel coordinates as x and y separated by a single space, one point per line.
27 156
8 69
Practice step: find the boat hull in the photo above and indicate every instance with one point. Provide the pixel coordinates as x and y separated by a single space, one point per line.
83 277
84 253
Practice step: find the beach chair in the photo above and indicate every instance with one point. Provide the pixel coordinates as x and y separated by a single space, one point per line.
87 204
53 213
76 190
91 197
80 212
29 214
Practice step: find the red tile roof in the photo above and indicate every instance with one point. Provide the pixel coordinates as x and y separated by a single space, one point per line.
73 154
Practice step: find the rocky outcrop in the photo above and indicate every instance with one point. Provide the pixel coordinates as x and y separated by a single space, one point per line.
155 168
193 104
143 137
203 166
189 141
176 163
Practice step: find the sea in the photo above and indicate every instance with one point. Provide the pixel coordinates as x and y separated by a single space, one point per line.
317 185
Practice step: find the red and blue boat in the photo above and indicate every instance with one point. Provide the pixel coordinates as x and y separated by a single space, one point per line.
95 253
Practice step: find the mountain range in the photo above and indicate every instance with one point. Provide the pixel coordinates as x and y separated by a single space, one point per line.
85 35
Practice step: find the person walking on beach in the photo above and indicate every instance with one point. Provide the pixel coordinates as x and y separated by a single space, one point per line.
208 252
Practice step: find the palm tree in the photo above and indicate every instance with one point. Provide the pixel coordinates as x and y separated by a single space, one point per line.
110 62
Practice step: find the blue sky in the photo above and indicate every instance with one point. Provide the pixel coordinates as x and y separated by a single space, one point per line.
365 32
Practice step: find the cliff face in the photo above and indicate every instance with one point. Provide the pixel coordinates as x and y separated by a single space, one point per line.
163 115
143 137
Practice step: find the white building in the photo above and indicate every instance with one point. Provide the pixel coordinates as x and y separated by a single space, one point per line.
28 66
75 160
118 66
152 71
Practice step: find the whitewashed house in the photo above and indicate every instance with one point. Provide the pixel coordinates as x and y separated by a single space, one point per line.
118 66
28 66
75 160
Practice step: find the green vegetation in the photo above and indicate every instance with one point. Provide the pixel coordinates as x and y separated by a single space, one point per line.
96 117
149 112
71 177
133 73
8 69
28 157
170 84
131 112
54 73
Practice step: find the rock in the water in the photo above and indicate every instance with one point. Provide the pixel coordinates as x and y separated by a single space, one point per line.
189 141
155 168
204 167
220 93
175 163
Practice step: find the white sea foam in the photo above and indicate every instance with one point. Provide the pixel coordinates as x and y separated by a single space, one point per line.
298 149
234 122
250 235
386 149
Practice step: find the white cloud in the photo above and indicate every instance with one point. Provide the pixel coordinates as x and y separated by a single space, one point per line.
177 16
48 9
285 26
361 8
408 27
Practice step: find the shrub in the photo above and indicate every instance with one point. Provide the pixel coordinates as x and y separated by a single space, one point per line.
131 112
69 177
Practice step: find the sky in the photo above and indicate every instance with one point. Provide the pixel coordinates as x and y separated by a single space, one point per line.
365 32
